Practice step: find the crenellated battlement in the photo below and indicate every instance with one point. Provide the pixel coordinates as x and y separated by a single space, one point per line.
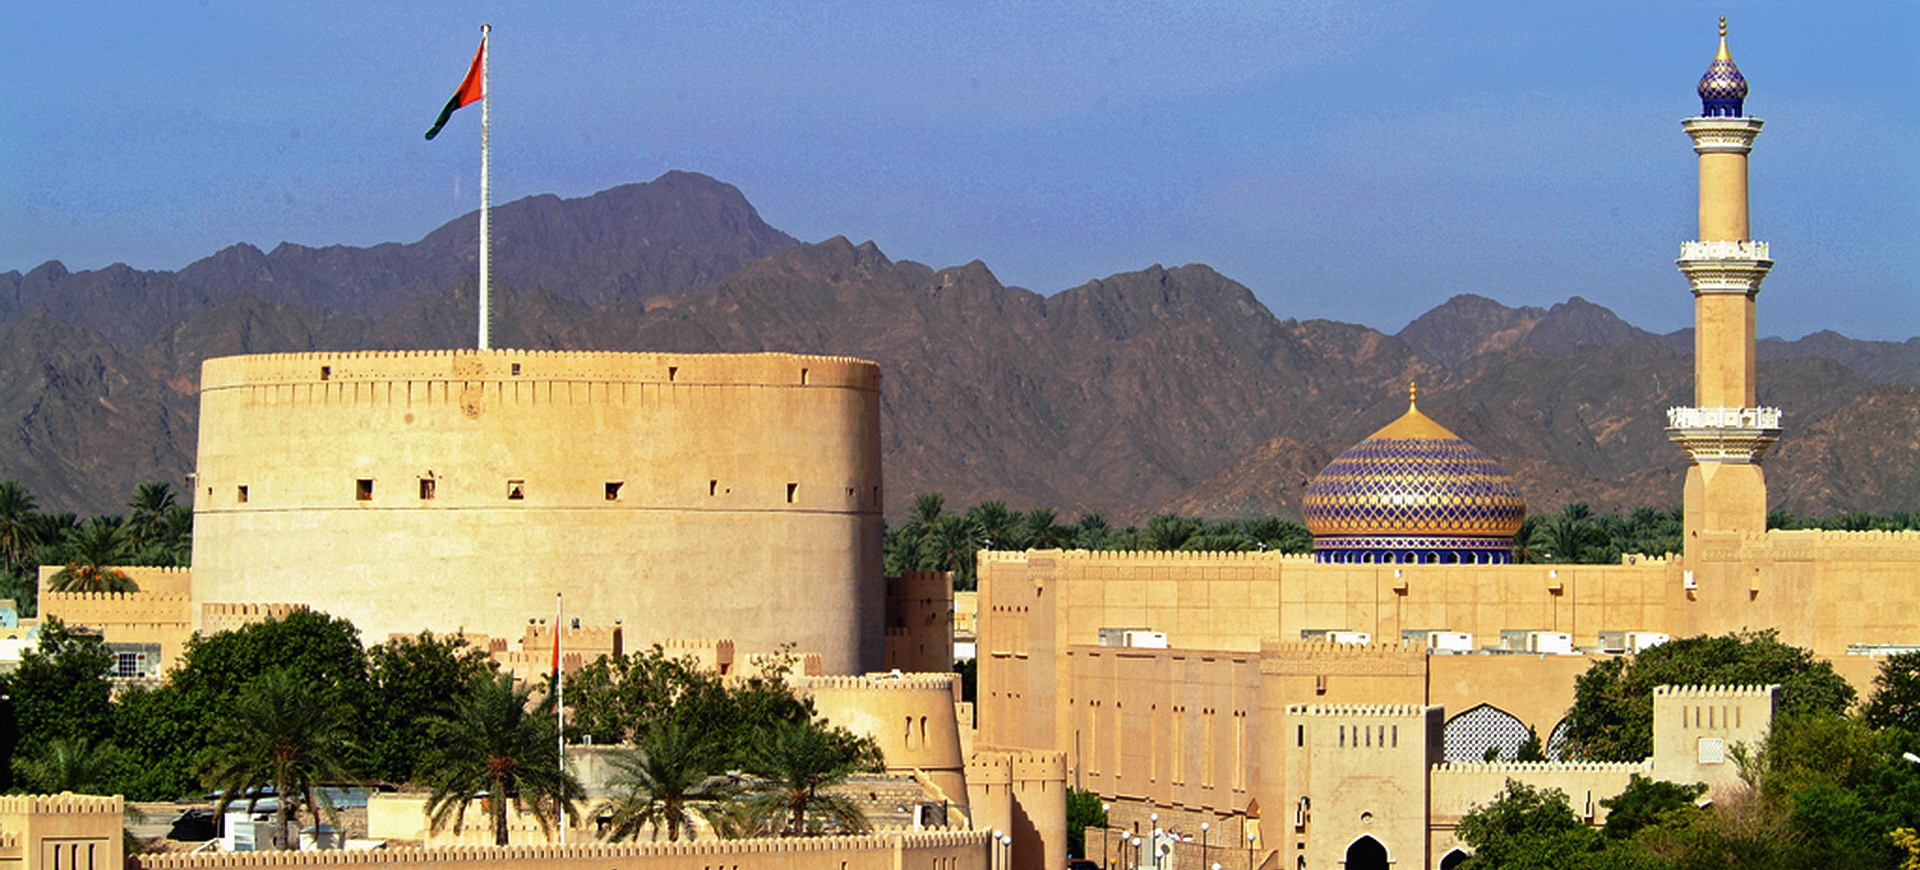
1482 768
1321 649
66 803
1377 711
471 367
580 853
1715 692
880 682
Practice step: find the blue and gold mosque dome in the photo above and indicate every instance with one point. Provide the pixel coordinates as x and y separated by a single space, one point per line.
1723 89
1413 492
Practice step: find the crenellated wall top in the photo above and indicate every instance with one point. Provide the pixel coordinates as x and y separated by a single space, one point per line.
1716 692
65 802
880 839
1472 768
881 682
1378 711
689 369
1321 649
1181 556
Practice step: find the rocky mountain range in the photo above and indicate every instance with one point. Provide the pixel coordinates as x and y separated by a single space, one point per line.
1164 389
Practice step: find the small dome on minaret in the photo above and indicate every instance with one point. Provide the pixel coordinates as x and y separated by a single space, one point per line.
1723 88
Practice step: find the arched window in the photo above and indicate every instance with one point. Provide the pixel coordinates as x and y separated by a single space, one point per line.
1366 853
1453 859
1556 747
1470 735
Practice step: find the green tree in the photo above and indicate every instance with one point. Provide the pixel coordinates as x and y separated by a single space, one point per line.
163 734
667 777
60 689
167 729
1896 693
491 744
75 763
409 679
795 763
149 507
1646 802
92 551
1612 714
19 534
1083 812
611 698
1043 531
1525 828
285 733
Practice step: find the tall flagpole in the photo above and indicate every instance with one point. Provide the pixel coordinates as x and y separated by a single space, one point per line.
486 191
560 712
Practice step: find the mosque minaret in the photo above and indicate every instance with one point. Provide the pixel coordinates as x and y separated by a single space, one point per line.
1725 433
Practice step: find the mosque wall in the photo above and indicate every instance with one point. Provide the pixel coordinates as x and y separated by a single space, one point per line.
455 490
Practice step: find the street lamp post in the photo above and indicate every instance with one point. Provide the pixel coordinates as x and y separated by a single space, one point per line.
1106 837
1250 837
1203 842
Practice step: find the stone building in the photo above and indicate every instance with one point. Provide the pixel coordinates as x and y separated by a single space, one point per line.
1405 630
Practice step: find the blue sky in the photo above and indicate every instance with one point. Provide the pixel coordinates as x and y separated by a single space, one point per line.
1355 161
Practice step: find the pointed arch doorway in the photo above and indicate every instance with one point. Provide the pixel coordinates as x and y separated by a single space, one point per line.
1366 853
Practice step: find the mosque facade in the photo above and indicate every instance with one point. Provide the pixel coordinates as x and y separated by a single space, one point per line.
1335 709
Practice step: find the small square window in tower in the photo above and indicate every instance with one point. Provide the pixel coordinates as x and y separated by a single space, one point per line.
516 370
613 489
363 489
326 372
516 490
240 494
427 487
792 489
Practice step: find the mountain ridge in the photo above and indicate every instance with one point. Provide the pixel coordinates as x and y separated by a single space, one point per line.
1164 388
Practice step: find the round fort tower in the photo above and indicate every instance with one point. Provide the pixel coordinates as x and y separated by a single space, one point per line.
732 495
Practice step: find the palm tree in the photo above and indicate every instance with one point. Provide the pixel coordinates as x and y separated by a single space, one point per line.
18 536
927 509
796 762
1043 531
92 549
281 732
490 745
69 763
668 776
150 503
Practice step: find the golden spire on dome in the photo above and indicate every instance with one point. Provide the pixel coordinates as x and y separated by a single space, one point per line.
1724 53
1413 395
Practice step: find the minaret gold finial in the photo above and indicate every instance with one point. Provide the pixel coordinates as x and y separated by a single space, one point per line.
1413 394
1723 27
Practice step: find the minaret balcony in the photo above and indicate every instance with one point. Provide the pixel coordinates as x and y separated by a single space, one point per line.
1723 135
1725 266
1724 434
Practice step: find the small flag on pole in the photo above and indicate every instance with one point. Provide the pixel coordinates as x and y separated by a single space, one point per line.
472 88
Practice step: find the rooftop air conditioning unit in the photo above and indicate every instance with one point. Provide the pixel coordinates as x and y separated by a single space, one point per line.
1146 639
1449 641
1550 642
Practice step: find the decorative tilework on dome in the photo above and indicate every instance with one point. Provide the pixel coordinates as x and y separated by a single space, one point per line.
1723 89
1413 486
1426 486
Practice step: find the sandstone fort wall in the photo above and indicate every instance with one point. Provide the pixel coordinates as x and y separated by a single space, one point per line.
452 490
